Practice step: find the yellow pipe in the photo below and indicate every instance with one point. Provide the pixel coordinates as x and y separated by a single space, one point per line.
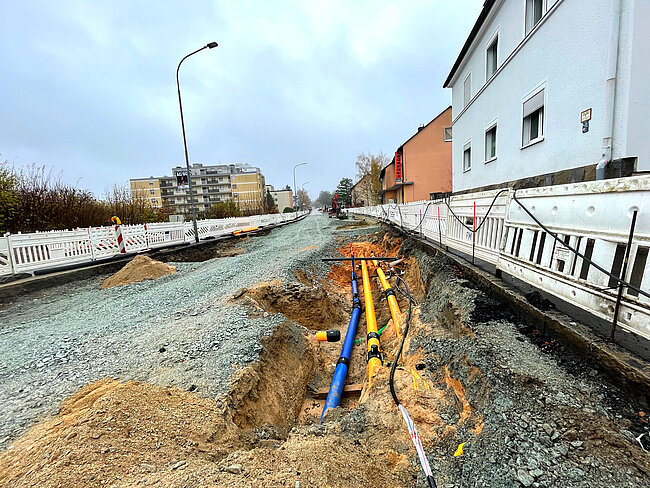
395 312
374 357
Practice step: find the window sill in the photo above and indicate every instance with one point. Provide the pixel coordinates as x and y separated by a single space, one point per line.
532 143
467 170
490 160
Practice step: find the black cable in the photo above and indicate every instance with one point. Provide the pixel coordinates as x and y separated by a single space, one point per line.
484 217
391 379
578 253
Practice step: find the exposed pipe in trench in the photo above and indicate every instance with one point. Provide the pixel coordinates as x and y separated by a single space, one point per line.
372 337
343 364
395 312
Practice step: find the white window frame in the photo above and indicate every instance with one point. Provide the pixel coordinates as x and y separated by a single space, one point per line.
488 45
448 130
467 101
528 25
493 125
466 146
531 94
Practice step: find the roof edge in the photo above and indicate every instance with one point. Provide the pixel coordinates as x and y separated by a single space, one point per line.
487 6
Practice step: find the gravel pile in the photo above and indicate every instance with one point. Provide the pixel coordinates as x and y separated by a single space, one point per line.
551 418
179 330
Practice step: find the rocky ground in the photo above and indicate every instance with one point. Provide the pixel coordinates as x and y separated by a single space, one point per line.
228 368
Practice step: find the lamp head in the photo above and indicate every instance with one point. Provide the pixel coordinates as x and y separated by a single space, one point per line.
211 45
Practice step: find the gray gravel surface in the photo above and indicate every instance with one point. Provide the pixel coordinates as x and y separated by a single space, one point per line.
179 330
552 418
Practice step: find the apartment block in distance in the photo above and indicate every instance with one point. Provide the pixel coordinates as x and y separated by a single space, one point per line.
281 198
548 92
147 189
211 184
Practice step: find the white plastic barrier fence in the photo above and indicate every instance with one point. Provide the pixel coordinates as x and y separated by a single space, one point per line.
593 218
26 253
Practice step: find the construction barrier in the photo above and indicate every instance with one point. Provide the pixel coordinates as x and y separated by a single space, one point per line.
27 253
593 218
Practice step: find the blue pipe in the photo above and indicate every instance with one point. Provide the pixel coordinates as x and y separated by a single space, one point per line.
341 371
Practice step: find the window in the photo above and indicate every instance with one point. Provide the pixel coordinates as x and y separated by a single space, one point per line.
534 11
153 200
491 144
152 191
533 124
234 186
150 182
491 63
467 90
447 136
467 156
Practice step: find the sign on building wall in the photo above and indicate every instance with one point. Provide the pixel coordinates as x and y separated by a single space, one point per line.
398 166
181 179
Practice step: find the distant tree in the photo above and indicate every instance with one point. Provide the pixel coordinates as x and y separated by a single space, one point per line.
8 198
303 199
324 199
270 205
223 210
371 164
344 191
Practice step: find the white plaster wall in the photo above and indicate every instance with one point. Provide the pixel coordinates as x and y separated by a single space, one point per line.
568 53
638 128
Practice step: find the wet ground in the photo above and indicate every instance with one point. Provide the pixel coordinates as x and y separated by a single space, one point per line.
527 409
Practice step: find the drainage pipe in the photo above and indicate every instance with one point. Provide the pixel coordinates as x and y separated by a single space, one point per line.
395 312
372 337
342 365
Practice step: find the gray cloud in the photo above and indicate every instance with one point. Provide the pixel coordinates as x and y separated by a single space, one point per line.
89 87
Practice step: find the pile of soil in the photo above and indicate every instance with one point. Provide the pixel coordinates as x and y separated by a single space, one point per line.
310 306
114 433
140 268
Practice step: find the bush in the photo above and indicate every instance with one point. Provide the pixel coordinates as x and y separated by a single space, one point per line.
223 210
288 210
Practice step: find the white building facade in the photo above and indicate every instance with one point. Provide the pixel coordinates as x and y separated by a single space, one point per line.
550 88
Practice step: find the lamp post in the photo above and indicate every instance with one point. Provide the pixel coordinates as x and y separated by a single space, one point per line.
295 194
209 45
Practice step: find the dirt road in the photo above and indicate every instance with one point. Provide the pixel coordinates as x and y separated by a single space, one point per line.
175 331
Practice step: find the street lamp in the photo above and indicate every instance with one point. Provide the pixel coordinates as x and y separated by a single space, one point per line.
295 194
209 45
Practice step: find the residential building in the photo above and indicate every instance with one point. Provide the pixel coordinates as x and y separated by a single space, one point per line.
240 182
544 90
363 193
147 189
388 193
281 198
247 186
422 164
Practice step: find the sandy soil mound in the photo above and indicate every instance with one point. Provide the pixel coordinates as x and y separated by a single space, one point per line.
141 268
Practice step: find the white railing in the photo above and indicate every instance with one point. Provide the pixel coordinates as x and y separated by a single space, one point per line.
593 218
26 253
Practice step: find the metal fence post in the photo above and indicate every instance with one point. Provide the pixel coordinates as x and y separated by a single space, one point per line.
622 276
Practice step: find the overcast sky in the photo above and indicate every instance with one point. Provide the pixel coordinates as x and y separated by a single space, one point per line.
89 88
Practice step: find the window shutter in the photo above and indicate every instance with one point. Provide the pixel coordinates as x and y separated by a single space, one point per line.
533 103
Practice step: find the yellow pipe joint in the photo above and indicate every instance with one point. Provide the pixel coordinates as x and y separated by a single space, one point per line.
374 358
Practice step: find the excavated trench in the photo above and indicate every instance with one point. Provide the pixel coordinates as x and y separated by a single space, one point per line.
266 432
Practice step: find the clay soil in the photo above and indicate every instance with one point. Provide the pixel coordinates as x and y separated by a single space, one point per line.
140 268
466 376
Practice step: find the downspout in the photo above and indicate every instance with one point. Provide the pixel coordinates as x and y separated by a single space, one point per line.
610 91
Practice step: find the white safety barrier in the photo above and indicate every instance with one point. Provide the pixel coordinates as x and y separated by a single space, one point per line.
26 253
593 218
